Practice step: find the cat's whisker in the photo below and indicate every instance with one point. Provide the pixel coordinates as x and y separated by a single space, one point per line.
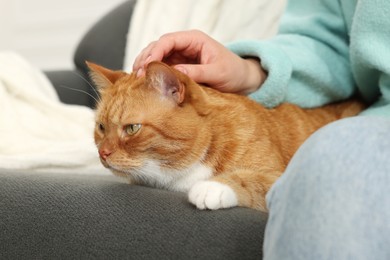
86 81
79 90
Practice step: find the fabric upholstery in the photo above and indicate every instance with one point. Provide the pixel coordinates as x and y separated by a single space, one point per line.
70 86
84 217
105 42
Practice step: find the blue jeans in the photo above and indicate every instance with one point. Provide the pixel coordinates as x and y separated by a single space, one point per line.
333 201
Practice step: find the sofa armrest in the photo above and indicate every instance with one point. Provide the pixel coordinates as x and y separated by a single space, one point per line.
105 42
73 87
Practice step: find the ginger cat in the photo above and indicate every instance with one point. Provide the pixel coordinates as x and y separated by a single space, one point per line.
166 131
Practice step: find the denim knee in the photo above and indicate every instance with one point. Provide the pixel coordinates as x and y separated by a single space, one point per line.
338 151
331 202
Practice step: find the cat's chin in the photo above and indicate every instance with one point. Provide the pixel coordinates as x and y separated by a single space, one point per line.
121 172
114 168
117 172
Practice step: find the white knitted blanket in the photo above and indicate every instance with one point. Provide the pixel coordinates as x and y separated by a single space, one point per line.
38 133
224 20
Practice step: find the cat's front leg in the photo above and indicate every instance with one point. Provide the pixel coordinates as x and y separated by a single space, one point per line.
246 188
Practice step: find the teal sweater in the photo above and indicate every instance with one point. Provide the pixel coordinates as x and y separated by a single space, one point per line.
326 50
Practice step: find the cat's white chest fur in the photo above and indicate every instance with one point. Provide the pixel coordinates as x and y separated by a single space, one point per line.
151 174
203 194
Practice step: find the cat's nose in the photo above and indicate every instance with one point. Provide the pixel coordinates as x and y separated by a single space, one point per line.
104 153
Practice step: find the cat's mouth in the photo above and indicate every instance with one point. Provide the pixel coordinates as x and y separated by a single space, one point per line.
113 167
105 163
118 169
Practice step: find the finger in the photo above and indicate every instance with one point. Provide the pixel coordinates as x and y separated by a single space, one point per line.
204 74
183 42
155 51
140 60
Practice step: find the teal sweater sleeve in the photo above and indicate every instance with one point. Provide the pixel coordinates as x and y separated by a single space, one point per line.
308 61
324 50
370 54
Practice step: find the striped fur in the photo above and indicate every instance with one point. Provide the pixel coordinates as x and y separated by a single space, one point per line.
223 149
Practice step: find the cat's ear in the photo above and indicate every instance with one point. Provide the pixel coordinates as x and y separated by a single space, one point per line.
103 77
163 78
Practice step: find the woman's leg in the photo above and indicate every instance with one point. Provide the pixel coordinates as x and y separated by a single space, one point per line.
333 202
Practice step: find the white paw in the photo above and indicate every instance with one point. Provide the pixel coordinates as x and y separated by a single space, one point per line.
212 195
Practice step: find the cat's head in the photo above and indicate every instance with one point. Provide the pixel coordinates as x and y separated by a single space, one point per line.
159 117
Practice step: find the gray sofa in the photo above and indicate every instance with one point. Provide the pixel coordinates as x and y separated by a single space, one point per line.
44 216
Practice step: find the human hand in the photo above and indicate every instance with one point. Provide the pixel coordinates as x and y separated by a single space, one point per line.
204 60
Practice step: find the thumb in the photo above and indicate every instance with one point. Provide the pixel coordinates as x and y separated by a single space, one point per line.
199 73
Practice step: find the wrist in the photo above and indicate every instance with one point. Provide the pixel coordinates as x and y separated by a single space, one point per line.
255 75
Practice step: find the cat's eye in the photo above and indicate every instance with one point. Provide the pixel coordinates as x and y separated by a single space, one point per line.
132 129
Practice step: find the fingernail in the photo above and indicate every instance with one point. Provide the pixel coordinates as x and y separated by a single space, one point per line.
148 59
181 69
139 73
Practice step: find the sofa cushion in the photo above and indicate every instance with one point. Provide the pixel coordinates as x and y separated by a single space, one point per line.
81 217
